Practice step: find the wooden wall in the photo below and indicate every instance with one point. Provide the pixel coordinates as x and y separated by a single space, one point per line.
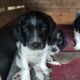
62 11
7 15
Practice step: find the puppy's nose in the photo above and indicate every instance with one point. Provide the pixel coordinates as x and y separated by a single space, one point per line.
36 44
53 49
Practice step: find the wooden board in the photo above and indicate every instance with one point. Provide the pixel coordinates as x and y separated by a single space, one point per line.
6 17
62 11
66 57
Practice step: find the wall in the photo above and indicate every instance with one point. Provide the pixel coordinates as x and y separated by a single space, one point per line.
62 11
9 10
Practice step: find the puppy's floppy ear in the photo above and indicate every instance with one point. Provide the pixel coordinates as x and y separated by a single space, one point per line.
17 29
52 25
63 38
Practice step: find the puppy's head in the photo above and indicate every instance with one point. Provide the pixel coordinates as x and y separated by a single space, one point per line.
33 29
57 41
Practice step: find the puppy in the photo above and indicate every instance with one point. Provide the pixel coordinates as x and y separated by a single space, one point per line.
76 26
56 41
31 35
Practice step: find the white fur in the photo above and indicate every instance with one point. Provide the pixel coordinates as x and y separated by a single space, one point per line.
33 20
35 36
77 40
36 57
51 61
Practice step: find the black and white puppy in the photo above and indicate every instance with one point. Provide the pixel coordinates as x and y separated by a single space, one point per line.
57 41
31 34
76 25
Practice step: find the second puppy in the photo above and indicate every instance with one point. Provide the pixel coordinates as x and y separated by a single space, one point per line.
57 42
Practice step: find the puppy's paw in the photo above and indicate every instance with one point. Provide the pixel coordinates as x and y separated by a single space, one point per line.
37 74
45 70
54 63
50 60
17 76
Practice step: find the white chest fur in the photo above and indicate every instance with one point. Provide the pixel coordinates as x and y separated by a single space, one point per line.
32 56
77 40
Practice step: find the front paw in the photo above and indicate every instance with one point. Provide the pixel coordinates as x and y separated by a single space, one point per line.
54 63
38 74
46 71
17 76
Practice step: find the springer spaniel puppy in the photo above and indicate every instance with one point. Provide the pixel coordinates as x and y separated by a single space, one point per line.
57 41
31 34
76 25
37 55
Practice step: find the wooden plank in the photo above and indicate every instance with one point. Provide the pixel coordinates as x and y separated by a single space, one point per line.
6 17
62 11
66 57
64 17
6 3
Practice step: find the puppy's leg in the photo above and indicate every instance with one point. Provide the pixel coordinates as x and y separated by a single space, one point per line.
41 69
25 70
17 76
43 65
51 61
24 73
36 73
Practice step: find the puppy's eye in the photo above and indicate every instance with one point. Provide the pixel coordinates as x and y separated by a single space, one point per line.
43 29
27 29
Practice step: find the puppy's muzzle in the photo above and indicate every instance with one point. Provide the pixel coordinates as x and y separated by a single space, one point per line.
36 44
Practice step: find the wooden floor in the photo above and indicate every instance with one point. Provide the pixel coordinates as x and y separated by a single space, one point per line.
66 57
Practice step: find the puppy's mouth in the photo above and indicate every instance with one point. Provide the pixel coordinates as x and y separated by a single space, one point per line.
36 45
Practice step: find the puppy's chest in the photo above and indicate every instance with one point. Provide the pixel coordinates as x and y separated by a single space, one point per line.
32 56
77 35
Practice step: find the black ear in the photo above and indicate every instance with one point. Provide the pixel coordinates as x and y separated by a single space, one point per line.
17 29
63 38
52 25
